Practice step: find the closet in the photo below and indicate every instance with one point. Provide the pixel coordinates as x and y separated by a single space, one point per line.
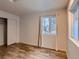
3 31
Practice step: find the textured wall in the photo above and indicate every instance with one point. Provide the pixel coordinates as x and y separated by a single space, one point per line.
29 30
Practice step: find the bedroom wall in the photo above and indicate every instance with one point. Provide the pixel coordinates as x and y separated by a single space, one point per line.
29 29
73 45
13 27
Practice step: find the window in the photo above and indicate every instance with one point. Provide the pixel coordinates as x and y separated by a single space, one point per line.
49 25
75 11
75 26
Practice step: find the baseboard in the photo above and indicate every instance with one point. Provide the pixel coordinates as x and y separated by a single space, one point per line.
41 47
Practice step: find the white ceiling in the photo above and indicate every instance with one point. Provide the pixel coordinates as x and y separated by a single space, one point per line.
21 7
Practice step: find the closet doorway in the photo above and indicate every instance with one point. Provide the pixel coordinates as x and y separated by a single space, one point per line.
3 31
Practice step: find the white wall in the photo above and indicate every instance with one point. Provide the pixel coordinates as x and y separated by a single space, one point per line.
73 49
29 29
13 27
49 41
73 46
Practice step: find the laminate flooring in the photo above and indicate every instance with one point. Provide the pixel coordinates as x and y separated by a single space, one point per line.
24 51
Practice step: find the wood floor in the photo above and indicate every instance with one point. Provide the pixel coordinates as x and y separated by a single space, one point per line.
23 51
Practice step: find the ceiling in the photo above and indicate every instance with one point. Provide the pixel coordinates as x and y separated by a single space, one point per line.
21 7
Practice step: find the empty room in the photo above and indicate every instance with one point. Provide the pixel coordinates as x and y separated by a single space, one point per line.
39 29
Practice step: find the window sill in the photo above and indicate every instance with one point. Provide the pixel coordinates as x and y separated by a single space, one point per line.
74 41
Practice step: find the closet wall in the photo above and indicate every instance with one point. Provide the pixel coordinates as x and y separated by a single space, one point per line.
1 34
12 27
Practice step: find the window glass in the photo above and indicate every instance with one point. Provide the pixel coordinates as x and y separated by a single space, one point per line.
49 25
53 25
75 25
46 25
